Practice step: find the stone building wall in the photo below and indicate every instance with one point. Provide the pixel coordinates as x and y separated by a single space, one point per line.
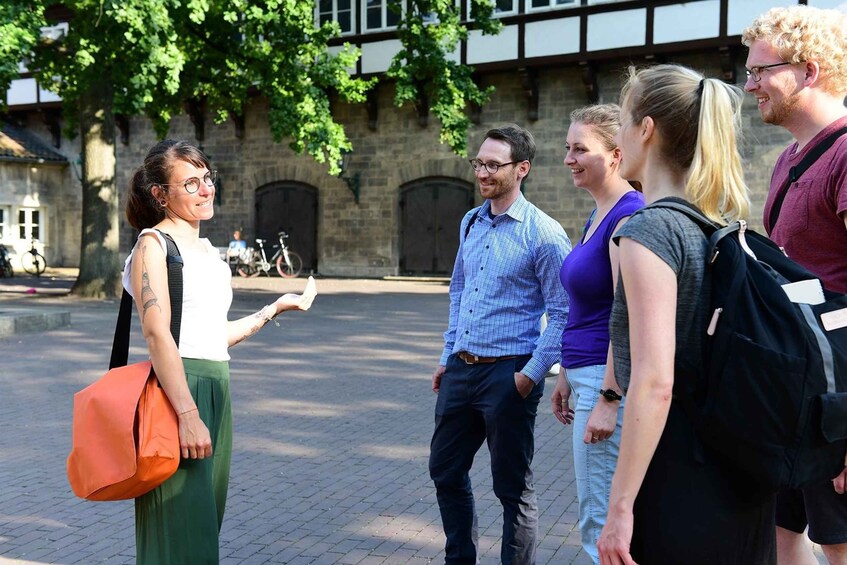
364 239
52 189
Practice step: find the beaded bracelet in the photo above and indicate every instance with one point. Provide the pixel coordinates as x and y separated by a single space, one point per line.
266 317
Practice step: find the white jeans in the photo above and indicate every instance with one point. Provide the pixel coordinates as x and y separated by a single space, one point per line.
594 464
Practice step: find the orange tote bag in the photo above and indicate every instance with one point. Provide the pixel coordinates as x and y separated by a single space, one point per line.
125 431
125 436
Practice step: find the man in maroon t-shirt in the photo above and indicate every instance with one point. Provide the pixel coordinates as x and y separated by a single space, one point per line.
797 70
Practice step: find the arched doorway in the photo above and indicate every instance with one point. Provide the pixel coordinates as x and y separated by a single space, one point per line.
291 207
431 210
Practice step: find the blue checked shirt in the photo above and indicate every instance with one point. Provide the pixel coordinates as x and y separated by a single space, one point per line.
506 272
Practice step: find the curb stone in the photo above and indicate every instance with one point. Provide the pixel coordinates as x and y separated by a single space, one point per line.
18 320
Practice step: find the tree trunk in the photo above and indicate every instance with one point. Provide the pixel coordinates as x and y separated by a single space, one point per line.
99 265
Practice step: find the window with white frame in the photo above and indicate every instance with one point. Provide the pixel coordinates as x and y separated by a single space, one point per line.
29 223
432 17
340 11
55 32
4 223
501 8
381 14
504 7
551 4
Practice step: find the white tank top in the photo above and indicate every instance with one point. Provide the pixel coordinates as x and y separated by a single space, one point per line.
206 298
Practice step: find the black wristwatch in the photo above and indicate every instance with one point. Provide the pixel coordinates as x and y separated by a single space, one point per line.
610 395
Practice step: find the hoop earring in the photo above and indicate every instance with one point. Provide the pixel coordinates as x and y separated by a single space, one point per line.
163 203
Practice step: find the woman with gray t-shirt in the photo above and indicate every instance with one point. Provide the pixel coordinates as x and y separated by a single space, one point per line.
673 499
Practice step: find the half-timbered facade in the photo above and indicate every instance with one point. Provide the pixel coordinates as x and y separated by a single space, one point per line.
396 211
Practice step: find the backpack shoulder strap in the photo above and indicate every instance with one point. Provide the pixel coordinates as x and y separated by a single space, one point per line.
690 210
713 231
795 172
120 342
471 222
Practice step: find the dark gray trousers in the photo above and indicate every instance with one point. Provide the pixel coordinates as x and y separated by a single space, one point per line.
479 403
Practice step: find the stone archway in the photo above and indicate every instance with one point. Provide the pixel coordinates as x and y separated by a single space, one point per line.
431 210
291 207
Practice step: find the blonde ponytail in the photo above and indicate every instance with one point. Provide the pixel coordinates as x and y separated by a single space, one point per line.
715 181
676 97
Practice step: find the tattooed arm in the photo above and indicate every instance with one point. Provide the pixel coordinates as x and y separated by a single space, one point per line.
149 277
248 326
241 329
148 297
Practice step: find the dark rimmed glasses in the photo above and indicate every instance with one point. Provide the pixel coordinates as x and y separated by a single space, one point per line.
192 184
756 72
492 168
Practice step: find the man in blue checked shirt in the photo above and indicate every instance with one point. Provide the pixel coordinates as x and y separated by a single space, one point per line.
491 374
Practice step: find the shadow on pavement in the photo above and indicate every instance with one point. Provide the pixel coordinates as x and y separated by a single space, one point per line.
53 281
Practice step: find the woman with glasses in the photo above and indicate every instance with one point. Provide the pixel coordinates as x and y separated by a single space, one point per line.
172 193
674 499
589 274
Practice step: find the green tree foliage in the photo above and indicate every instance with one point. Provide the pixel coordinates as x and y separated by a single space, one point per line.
151 57
426 69
20 21
161 53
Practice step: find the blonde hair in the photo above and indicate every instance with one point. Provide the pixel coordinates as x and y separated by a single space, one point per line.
803 33
676 97
605 120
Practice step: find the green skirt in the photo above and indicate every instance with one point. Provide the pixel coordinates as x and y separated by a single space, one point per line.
179 521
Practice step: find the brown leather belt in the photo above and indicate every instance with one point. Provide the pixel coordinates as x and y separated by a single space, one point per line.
472 359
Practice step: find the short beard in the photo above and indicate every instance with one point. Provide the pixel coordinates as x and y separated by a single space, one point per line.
782 111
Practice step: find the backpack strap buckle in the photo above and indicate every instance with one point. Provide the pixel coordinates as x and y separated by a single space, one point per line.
743 241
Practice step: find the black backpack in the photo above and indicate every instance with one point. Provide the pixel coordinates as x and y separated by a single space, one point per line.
771 391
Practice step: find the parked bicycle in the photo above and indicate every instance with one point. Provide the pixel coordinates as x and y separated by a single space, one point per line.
6 270
288 263
33 262
252 262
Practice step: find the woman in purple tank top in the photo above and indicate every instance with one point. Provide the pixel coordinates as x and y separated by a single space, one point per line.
589 274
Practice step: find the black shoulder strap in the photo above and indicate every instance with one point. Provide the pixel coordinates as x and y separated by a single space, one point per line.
795 172
690 210
714 231
175 264
120 343
470 223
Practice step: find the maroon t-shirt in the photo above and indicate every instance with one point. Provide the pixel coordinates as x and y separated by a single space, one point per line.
811 225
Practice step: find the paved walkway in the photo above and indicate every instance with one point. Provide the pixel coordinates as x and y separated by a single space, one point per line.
333 416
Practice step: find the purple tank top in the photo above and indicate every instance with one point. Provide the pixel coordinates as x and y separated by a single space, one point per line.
586 275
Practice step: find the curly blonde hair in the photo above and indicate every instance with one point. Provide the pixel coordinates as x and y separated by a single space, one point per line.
804 33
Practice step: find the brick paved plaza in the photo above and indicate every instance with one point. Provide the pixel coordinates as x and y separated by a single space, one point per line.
333 415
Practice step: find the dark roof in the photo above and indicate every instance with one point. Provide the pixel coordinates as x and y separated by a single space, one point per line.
20 145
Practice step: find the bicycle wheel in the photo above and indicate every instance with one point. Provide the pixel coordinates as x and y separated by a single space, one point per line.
248 270
33 263
292 270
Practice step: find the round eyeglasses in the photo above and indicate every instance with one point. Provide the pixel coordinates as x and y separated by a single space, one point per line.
492 168
756 72
192 184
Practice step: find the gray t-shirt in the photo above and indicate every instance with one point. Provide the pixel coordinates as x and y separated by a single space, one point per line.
680 243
